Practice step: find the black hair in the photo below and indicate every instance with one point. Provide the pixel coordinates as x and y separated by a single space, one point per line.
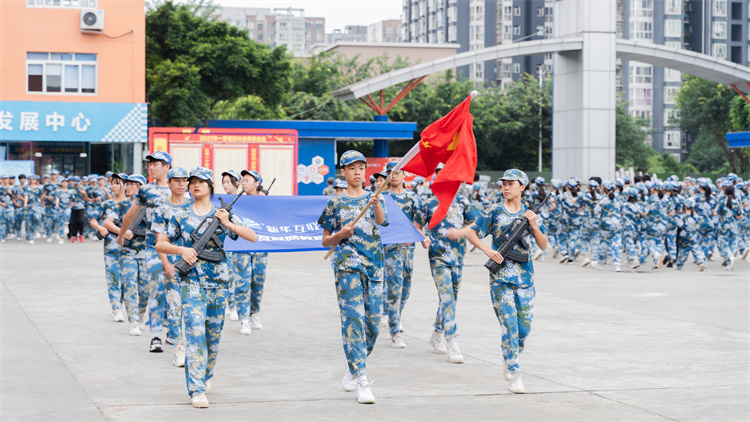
210 185
632 199
541 194
611 195
476 176
115 176
592 191
233 180
637 179
149 160
21 176
619 188
598 179
729 191
573 191
661 193
707 192
646 178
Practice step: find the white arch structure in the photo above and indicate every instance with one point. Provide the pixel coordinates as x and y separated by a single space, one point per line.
584 81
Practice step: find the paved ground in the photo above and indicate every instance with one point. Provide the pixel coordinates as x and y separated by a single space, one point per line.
630 346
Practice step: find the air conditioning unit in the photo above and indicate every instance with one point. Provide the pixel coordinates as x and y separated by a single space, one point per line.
92 19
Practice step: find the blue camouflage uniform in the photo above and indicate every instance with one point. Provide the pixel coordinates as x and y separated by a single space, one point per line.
19 192
359 275
34 211
728 226
631 220
656 226
63 213
204 291
399 263
111 257
132 266
688 223
447 257
590 226
609 213
7 217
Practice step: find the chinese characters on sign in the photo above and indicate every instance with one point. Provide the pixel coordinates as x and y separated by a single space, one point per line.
291 232
29 121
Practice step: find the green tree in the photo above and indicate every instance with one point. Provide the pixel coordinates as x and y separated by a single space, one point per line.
705 110
631 148
219 64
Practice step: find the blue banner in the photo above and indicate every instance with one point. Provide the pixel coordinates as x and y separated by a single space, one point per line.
73 121
290 223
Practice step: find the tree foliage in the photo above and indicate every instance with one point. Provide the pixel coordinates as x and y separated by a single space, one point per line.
196 66
711 110
631 147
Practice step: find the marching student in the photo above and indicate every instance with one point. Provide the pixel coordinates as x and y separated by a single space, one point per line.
78 200
62 218
205 287
258 262
688 222
230 181
399 257
152 196
132 260
177 204
512 287
359 269
729 211
111 248
446 253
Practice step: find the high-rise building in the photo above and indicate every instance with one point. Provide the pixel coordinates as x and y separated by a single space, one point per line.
288 26
351 33
717 28
477 24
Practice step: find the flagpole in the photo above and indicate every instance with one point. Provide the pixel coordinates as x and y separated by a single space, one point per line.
409 155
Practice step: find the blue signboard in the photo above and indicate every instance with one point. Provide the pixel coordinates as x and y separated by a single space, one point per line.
14 168
738 139
73 121
316 162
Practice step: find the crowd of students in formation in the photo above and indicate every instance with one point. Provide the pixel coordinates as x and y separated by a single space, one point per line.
640 218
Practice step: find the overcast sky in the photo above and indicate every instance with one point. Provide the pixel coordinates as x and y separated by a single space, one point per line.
338 13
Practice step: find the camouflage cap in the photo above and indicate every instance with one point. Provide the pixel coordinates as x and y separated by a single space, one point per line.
137 178
177 172
232 173
202 173
390 165
350 157
341 184
160 156
253 173
515 174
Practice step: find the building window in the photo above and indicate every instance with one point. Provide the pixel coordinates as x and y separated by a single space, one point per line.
641 74
673 44
516 30
642 30
516 67
673 7
641 96
58 73
642 8
73 4
479 71
517 11
672 28
540 11
672 139
720 8
670 94
671 117
720 50
720 30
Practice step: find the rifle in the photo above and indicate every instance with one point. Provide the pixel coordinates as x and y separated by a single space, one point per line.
134 227
200 241
265 191
100 237
519 227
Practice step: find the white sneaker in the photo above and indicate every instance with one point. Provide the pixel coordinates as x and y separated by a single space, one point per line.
349 382
731 264
506 373
438 342
142 320
245 328
199 401
134 330
516 385
49 240
364 392
617 268
255 323
454 355
397 341
555 250
61 241
31 242
400 327
233 315
117 316
178 356
208 388
586 262
596 264
564 258
537 254
702 267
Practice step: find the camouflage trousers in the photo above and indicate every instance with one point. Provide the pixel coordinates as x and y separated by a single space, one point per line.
399 265
360 306
250 279
727 242
203 311
174 308
112 275
610 245
514 307
7 221
20 219
574 242
655 243
133 271
707 241
589 241
34 223
63 218
447 281
671 243
157 292
630 244
50 219
130 268
689 244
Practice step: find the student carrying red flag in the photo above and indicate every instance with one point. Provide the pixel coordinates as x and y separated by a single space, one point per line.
449 140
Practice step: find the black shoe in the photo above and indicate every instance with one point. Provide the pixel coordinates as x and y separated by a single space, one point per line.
670 264
155 345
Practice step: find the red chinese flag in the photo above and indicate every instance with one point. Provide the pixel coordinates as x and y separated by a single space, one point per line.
449 140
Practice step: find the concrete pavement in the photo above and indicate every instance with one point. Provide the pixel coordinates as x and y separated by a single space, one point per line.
641 346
